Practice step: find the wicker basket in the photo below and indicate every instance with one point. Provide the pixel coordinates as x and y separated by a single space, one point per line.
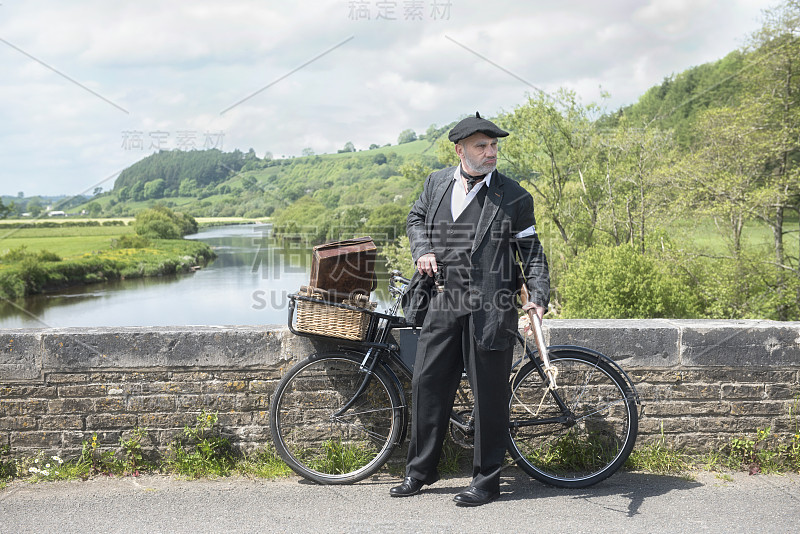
323 319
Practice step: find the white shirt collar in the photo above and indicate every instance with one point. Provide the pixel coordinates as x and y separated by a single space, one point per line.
457 178
460 197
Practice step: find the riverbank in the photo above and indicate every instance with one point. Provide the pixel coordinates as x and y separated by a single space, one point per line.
41 258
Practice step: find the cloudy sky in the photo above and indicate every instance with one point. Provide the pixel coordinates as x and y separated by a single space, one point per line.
89 87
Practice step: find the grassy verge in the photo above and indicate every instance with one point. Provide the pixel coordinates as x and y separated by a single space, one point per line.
200 452
762 453
203 452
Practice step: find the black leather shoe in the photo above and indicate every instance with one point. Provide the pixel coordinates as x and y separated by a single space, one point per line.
473 496
410 486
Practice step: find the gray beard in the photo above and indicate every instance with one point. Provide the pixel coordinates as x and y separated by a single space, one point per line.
480 169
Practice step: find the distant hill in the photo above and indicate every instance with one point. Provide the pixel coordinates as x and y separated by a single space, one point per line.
674 104
212 183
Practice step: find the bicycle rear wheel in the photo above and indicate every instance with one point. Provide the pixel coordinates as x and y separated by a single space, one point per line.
585 438
326 447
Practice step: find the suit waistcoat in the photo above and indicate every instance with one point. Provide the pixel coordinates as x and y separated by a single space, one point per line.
452 242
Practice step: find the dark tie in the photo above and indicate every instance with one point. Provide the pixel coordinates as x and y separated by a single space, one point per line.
471 181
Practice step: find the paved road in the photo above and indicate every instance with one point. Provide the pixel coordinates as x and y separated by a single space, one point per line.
628 502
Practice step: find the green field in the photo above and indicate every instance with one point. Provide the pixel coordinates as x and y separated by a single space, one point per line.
67 242
86 254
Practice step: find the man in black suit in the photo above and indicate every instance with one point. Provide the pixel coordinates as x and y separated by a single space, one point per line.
467 230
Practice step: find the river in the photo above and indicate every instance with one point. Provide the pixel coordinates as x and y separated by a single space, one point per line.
247 284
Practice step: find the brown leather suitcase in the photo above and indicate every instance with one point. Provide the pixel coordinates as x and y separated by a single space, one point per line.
344 267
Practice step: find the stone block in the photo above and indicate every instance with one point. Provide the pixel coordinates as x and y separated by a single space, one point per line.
77 349
17 407
234 419
782 391
67 378
743 391
173 388
632 343
225 386
165 420
109 404
678 409
27 392
191 376
36 440
248 375
253 402
74 440
742 344
110 421
61 422
62 406
209 403
22 423
263 386
97 390
762 408
681 391
153 403
20 355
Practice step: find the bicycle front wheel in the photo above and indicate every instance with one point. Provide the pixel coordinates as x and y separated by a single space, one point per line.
581 432
316 437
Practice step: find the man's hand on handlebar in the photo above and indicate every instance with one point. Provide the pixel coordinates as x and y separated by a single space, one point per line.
426 264
538 310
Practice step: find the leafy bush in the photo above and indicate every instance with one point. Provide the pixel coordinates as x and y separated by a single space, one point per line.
160 222
130 241
621 283
21 253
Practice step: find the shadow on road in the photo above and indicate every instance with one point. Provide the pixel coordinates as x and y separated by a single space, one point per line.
628 489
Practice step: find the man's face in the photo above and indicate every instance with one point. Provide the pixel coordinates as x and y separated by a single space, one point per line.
478 153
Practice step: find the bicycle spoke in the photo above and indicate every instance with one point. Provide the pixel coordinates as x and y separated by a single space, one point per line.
598 428
326 447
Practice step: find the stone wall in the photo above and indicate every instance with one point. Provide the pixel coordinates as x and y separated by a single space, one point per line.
701 382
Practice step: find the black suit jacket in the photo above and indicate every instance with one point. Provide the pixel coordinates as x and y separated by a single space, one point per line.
494 275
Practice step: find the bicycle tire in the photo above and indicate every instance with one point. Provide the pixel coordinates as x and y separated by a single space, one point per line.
324 448
597 437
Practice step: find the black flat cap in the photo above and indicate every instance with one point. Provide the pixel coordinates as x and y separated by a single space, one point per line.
472 125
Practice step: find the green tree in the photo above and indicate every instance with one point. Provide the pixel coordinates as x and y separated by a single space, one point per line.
406 136
94 209
773 95
722 175
551 149
386 222
187 188
35 207
161 222
629 203
154 188
348 147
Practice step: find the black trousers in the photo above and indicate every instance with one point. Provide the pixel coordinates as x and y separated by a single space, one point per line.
447 347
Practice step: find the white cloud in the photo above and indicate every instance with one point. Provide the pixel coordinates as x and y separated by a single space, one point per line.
307 75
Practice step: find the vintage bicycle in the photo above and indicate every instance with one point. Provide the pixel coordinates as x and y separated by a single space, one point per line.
337 416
